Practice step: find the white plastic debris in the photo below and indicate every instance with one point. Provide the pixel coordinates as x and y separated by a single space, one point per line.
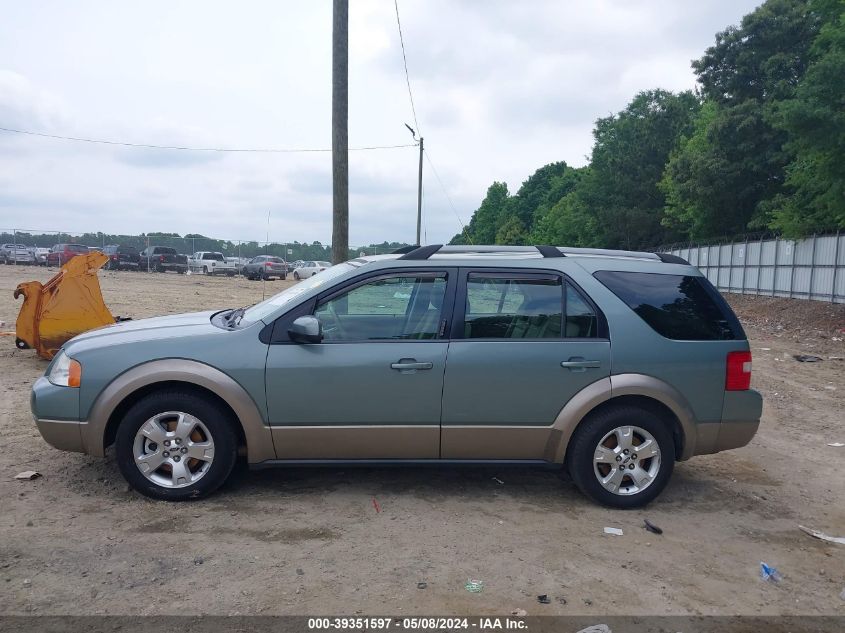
613 530
28 475
836 444
822 535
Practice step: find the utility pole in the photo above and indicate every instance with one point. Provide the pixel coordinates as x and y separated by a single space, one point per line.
340 136
419 194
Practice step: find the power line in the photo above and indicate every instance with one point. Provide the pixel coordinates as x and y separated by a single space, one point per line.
405 62
185 148
446 193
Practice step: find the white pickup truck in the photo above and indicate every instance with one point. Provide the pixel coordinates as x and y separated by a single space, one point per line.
211 263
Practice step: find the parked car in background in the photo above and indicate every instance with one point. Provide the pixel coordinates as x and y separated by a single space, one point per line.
210 263
16 254
62 253
39 255
309 269
266 267
239 263
163 258
122 257
294 265
628 363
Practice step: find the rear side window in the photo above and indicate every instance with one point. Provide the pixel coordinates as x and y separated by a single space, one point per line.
517 307
679 307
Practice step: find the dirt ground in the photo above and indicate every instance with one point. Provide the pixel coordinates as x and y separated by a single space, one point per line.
77 541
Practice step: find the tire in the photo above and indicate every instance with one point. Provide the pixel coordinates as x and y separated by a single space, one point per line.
596 431
156 411
296 276
205 270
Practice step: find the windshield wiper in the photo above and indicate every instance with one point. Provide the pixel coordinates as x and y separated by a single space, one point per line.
234 317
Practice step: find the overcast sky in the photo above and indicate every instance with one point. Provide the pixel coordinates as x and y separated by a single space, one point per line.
501 88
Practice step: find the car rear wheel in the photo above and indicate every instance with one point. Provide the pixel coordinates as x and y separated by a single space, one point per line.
622 456
296 275
175 446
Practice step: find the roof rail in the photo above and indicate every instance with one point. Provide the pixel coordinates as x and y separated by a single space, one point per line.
424 252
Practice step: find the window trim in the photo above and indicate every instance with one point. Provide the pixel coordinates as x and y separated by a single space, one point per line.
459 310
279 335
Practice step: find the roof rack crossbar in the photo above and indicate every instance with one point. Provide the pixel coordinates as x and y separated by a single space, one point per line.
424 252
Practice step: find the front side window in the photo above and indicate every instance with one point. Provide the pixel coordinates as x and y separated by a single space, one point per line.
513 307
401 307
679 307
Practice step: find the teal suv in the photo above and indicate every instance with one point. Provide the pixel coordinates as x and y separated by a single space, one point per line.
611 364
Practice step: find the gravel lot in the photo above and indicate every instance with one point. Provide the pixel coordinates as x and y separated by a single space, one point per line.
77 541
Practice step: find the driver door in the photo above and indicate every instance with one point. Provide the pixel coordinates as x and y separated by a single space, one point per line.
372 388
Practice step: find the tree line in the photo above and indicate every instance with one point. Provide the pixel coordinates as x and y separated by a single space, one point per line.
193 242
758 146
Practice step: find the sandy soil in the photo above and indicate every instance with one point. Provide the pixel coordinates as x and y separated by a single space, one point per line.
77 541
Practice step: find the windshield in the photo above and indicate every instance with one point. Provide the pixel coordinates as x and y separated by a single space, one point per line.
260 310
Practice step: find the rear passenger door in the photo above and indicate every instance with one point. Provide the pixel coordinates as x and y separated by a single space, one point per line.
523 343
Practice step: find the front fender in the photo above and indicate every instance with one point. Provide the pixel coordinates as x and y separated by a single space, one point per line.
259 440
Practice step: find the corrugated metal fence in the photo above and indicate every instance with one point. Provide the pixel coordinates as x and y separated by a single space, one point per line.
810 268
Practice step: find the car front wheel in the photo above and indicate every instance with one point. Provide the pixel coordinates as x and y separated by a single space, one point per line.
175 446
622 456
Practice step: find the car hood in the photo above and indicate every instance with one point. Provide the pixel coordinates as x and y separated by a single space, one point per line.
176 325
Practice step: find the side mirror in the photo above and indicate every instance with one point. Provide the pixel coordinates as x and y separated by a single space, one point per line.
306 329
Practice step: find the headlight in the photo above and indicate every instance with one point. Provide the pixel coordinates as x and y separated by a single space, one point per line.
65 372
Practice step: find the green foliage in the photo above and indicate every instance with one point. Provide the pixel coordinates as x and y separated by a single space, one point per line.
814 119
761 146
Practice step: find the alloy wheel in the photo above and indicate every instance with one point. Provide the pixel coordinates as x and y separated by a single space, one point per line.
173 449
627 460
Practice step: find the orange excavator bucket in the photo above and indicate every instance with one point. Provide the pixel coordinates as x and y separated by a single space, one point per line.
67 305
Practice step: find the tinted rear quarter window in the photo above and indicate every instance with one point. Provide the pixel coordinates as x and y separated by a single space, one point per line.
679 307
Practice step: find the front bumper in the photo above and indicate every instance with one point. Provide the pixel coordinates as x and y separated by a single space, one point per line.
56 413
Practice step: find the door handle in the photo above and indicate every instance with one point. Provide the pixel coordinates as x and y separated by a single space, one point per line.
409 365
579 363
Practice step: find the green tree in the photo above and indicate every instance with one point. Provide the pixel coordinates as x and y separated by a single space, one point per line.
815 121
630 152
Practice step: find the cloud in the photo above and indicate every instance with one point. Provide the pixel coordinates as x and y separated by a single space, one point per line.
500 89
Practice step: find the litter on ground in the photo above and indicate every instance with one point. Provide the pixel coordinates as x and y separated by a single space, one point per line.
28 475
769 574
822 535
613 530
474 586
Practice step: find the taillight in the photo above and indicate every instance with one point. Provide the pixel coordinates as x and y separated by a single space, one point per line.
114 257
738 371
161 258
268 263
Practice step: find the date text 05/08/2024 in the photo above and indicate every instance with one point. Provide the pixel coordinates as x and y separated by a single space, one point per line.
416 624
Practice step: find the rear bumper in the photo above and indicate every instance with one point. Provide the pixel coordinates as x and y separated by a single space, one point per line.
741 414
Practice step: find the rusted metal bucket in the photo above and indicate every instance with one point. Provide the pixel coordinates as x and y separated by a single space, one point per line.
67 305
